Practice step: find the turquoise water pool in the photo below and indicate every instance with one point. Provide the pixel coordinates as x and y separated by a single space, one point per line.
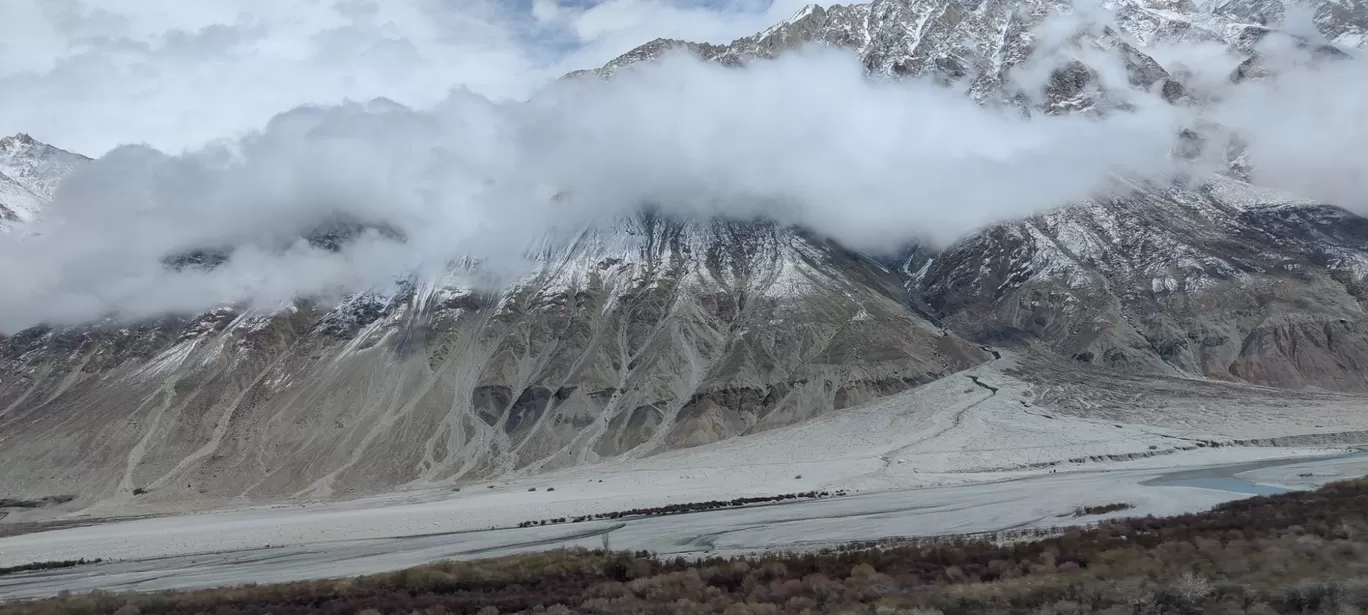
1234 485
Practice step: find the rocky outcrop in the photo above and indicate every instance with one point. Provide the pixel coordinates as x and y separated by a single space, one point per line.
1223 281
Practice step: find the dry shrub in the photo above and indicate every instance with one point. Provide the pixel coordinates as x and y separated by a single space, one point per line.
609 589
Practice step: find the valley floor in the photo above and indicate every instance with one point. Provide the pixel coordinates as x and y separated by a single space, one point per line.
981 451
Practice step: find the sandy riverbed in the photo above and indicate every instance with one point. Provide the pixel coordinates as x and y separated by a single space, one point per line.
949 457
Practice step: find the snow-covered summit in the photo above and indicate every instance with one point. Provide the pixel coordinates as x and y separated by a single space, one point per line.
30 171
976 43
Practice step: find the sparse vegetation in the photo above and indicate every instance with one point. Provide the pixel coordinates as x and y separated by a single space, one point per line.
675 509
47 566
1303 553
1101 509
51 500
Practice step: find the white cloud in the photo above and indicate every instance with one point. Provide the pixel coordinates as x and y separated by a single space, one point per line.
1306 131
546 11
647 19
88 75
608 28
806 139
1204 68
177 73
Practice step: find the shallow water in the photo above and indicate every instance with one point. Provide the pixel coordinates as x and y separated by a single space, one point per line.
1231 484
1226 478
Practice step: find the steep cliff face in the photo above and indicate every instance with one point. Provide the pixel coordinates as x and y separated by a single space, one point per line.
626 341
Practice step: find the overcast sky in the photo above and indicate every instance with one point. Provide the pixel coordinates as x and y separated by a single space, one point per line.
87 75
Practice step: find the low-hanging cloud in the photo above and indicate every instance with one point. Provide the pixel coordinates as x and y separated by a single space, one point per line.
1305 130
807 139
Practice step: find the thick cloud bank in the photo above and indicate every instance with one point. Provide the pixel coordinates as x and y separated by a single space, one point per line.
1307 131
89 75
806 139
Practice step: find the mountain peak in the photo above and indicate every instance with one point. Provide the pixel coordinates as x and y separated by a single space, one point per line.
21 138
30 171
22 144
977 42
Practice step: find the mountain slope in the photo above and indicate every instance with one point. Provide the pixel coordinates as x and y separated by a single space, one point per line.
17 203
1215 278
1223 281
650 336
29 174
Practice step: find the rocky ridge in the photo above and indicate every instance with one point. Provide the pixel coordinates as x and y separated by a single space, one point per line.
29 174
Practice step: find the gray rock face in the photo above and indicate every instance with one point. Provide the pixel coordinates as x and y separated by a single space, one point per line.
1220 281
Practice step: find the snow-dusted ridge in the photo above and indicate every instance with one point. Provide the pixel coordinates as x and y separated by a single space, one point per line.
29 174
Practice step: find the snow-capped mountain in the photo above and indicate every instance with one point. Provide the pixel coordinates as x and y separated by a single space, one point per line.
652 335
1221 280
656 333
1215 278
974 44
636 338
29 174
